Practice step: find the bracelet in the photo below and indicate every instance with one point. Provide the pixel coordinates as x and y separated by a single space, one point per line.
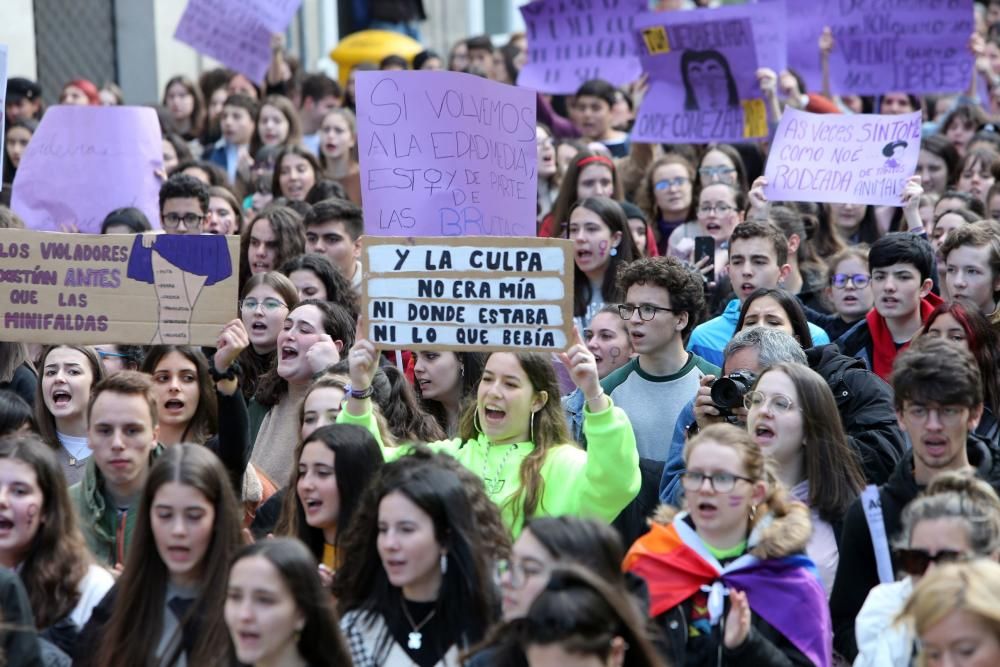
601 395
359 393
232 373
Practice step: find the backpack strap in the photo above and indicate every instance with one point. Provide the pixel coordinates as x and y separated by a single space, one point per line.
872 504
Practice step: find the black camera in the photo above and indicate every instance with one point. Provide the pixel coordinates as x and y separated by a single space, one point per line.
728 391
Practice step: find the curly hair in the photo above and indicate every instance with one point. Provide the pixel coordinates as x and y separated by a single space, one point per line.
686 289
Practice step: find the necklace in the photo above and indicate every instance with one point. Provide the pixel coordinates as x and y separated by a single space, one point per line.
494 483
416 638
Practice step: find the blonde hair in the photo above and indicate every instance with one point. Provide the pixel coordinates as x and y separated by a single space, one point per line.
790 527
972 587
958 495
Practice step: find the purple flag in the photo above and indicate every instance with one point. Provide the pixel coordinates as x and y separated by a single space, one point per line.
446 154
913 46
841 158
703 85
573 41
84 162
237 33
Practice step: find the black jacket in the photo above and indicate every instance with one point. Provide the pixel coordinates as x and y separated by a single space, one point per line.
19 644
865 404
857 572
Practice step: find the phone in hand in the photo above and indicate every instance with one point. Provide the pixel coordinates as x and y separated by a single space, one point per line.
704 246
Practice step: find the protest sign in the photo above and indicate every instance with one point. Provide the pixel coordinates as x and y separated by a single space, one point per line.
446 154
3 99
573 41
237 33
471 293
148 289
702 75
862 159
913 46
84 162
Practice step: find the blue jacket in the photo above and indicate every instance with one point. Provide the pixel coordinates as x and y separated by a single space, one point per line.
670 483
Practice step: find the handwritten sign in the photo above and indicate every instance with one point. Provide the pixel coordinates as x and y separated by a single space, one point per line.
141 289
3 99
237 33
473 293
573 41
914 46
702 73
84 162
863 159
446 154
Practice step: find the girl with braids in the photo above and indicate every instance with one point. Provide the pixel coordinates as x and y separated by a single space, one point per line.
958 518
42 541
514 435
727 579
167 606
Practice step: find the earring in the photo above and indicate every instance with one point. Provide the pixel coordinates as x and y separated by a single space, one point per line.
531 427
461 370
753 512
475 421
444 563
614 251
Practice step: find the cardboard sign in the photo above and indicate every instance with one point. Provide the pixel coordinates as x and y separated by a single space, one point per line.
88 289
446 154
237 33
84 162
913 46
573 41
473 293
3 100
863 159
702 74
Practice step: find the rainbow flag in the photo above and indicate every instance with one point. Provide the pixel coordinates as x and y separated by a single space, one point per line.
785 592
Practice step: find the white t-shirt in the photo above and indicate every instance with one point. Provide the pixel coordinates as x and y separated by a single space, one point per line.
93 587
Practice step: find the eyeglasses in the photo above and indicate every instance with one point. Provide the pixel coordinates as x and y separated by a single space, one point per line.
647 311
715 172
949 414
680 181
778 402
916 561
859 280
517 574
721 482
270 304
173 220
719 208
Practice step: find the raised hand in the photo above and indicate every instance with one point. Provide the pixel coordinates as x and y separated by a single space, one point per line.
233 339
737 620
363 359
582 367
322 354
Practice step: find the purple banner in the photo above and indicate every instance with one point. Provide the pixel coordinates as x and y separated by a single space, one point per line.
703 84
3 101
913 46
234 32
837 158
573 41
84 162
446 154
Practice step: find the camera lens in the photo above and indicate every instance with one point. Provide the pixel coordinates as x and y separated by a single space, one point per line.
727 392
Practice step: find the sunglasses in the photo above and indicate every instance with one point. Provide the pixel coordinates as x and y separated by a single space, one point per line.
916 561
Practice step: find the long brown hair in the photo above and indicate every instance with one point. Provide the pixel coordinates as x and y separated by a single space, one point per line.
43 418
549 428
568 190
142 588
12 355
205 421
57 560
286 225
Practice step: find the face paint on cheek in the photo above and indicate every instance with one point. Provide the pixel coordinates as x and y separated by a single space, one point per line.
602 248
614 353
735 501
30 513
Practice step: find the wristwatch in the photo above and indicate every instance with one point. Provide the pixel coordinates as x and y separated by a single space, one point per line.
368 392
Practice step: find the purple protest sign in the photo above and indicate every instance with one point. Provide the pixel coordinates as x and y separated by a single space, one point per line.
703 84
573 41
236 33
446 154
84 162
839 158
913 46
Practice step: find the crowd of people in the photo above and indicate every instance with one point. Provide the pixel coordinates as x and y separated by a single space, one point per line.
775 439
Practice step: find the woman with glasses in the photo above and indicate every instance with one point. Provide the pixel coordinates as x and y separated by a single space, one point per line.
720 208
666 196
793 418
722 164
602 242
957 519
849 290
727 578
265 300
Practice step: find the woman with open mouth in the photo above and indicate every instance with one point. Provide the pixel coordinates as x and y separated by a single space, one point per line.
515 436
338 151
277 611
264 302
715 570
68 373
296 170
793 418
40 540
174 583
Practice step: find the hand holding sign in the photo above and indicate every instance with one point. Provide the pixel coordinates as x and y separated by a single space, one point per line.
912 193
362 359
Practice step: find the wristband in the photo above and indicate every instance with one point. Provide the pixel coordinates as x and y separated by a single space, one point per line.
359 393
600 395
232 373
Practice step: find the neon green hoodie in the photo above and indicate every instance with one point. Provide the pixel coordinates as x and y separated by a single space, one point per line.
597 483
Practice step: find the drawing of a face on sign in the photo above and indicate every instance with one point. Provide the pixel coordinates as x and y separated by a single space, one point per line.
889 150
708 81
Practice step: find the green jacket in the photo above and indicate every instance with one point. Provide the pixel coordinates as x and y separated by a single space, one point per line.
99 521
596 483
